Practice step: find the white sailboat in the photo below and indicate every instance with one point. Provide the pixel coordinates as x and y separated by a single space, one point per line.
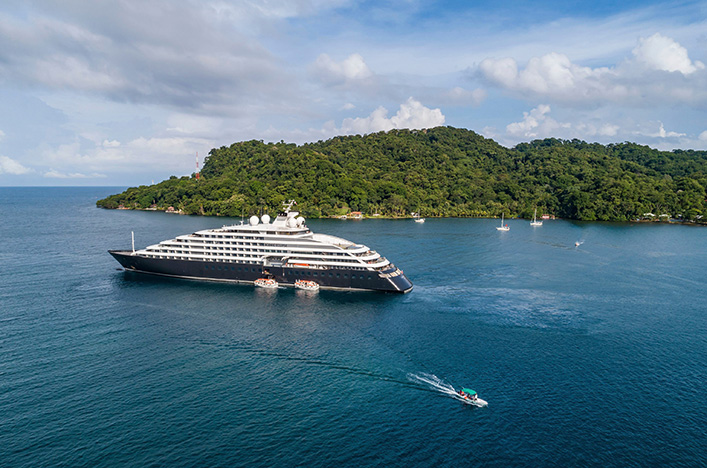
503 228
535 221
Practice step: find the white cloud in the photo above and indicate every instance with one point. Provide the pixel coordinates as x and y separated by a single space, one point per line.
412 114
352 68
2 135
463 97
191 61
348 106
535 123
189 124
658 52
661 133
52 174
10 166
538 124
553 75
644 78
593 126
602 130
168 154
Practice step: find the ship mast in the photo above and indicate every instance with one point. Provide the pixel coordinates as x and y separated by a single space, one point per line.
288 205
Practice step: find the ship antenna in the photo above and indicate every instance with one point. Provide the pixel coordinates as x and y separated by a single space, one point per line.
132 235
288 205
197 165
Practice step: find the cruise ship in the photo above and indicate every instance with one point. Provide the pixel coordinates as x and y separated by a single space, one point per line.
284 250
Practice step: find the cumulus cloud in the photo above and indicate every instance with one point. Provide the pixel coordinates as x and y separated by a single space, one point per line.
412 114
538 124
553 75
592 126
660 133
12 167
535 123
645 77
658 52
352 68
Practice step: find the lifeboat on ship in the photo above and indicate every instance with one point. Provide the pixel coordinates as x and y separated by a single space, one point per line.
266 283
306 285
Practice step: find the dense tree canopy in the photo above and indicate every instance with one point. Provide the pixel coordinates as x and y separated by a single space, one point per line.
442 171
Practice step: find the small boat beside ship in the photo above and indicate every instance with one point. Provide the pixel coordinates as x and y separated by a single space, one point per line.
306 285
268 283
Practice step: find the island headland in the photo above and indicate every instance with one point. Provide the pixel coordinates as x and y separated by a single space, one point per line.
437 172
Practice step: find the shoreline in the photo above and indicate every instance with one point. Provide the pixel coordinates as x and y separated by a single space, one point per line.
672 221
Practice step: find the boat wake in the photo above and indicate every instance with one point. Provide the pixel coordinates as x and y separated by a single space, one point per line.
436 384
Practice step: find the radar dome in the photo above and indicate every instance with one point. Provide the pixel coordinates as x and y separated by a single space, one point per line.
291 222
265 219
254 220
300 220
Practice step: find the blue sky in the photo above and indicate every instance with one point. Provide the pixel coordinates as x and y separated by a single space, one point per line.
126 93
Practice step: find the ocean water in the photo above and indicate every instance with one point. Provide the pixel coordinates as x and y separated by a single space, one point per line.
593 355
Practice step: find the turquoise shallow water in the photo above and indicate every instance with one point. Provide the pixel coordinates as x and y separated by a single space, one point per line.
588 356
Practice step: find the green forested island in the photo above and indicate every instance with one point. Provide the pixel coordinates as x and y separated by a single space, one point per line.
442 171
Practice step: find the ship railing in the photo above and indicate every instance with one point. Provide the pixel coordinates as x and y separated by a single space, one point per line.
397 272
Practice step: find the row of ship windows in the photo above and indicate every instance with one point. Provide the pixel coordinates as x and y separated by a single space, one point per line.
244 255
169 257
213 267
239 235
237 239
331 275
196 247
291 273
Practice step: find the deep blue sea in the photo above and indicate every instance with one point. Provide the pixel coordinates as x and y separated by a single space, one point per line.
593 355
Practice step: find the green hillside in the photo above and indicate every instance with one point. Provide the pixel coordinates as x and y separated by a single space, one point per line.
439 172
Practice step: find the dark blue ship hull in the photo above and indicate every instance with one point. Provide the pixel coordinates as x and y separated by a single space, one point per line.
332 278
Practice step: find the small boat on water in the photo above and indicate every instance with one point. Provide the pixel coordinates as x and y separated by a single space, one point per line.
306 285
503 227
535 221
470 397
416 217
266 283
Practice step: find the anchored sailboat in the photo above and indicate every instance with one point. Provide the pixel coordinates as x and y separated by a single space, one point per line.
535 221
